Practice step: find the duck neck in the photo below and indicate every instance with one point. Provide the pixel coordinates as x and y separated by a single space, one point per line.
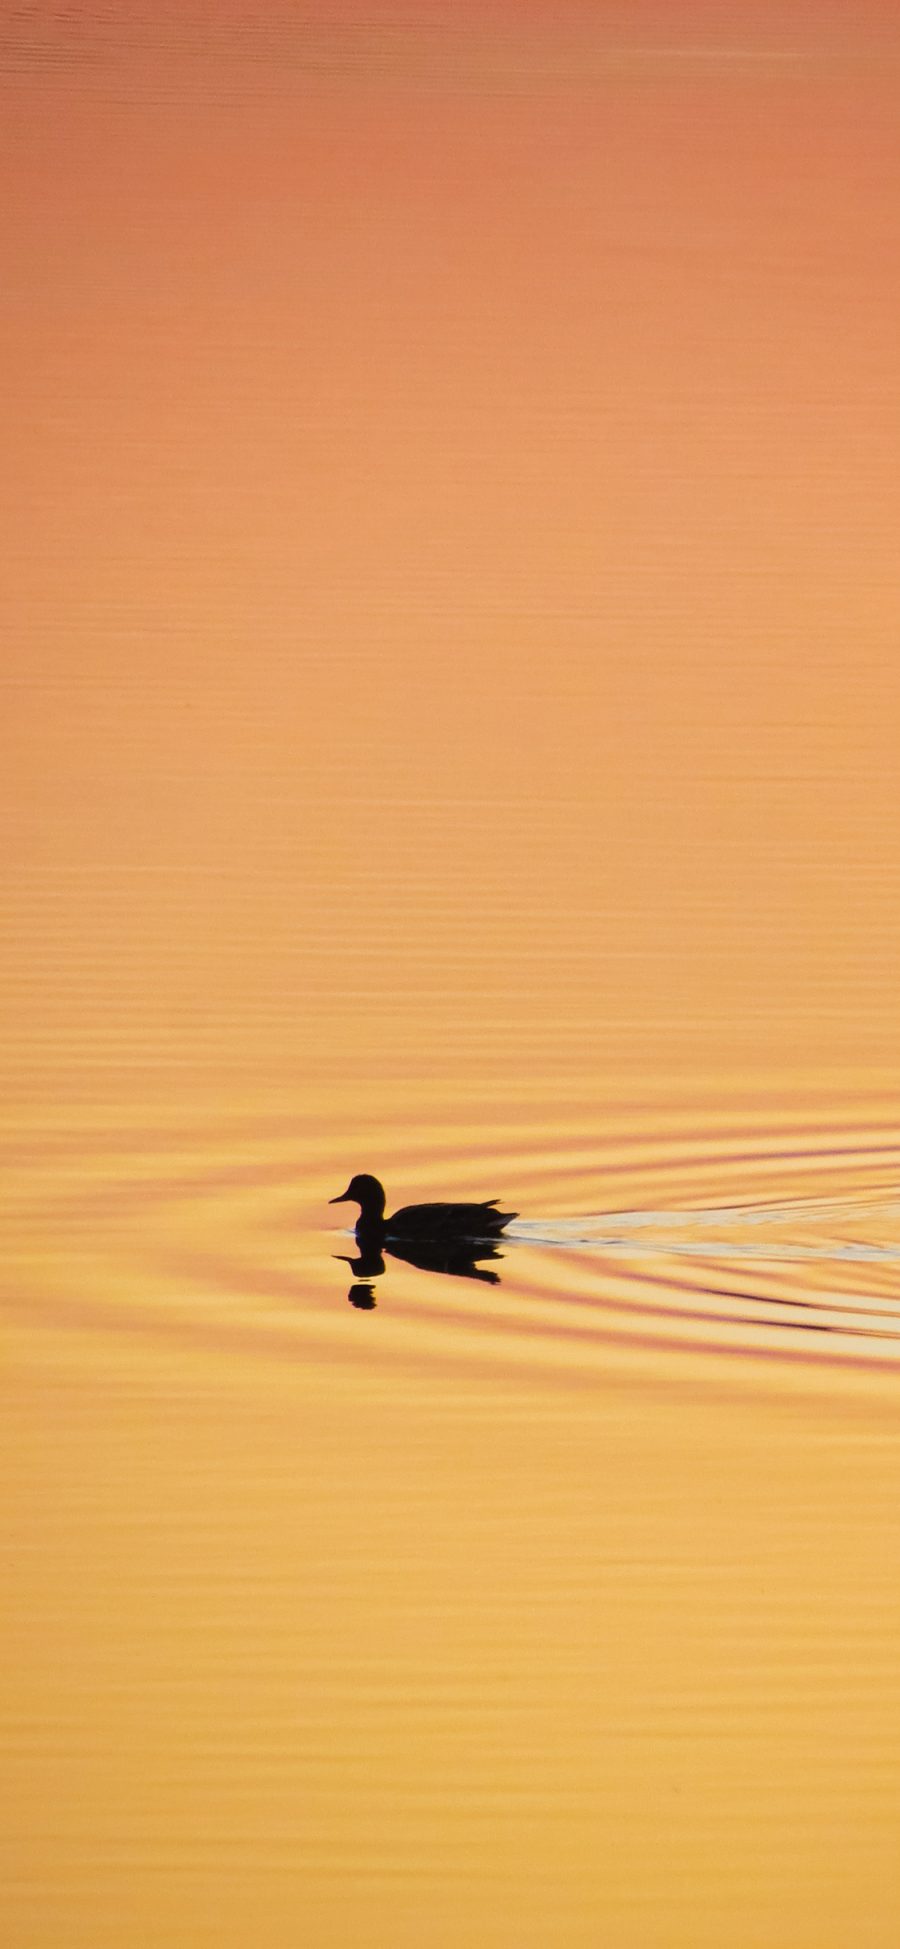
371 1228
371 1212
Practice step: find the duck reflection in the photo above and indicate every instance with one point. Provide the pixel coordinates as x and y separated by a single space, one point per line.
363 1297
462 1258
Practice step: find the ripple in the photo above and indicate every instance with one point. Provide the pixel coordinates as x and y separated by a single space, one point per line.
215 1226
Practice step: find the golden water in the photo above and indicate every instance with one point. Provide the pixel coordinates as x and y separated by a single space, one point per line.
450 730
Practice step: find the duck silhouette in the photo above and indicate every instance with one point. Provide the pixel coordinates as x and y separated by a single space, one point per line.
445 1225
462 1257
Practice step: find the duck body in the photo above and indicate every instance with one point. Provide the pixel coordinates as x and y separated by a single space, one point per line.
445 1221
432 1223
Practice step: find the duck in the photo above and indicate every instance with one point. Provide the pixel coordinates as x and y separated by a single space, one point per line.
423 1222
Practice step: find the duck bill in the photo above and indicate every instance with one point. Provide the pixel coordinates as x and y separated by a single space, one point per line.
342 1200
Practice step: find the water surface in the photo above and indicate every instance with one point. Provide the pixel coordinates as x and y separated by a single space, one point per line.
450 709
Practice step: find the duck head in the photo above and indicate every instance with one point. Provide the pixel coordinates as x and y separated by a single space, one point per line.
366 1192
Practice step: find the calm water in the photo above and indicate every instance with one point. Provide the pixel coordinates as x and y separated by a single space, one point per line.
450 724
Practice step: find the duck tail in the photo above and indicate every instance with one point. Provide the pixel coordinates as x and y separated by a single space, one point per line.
498 1220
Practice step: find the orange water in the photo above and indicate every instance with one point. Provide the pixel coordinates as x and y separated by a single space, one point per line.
450 722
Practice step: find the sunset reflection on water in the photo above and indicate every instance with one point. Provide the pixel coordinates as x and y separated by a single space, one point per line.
450 731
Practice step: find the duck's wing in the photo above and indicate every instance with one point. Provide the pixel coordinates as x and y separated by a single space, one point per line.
449 1221
419 1221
